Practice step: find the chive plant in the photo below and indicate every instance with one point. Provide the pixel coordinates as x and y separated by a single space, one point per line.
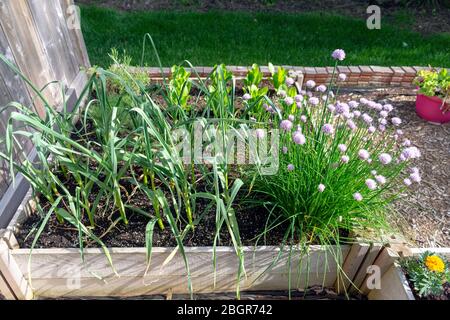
341 164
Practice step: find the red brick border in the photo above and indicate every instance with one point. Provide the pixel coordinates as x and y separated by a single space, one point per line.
357 76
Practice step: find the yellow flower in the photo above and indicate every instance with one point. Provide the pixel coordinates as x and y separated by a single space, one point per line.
434 263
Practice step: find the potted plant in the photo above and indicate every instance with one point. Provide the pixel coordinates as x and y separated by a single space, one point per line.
433 91
428 275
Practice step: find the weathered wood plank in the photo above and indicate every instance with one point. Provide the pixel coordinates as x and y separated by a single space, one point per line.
54 269
51 29
12 275
29 53
394 286
76 37
369 260
351 266
384 261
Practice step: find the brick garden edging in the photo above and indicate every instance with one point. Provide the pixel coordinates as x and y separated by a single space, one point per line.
357 76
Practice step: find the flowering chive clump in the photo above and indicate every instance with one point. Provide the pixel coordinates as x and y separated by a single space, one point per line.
353 161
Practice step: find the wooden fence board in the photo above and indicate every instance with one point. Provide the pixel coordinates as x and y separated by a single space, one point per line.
36 37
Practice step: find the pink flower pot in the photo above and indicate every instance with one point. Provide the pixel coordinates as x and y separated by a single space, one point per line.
429 108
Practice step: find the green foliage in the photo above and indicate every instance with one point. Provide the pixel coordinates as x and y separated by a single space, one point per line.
121 66
426 282
433 83
254 76
245 38
278 77
179 87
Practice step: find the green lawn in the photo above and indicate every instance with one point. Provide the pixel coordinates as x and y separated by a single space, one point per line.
239 38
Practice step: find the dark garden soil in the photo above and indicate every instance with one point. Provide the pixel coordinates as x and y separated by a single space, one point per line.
417 17
56 235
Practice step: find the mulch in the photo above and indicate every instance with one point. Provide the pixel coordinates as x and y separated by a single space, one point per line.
424 216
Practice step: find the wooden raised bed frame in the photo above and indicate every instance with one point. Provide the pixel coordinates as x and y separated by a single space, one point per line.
61 273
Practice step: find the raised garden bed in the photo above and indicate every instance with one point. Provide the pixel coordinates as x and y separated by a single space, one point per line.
334 178
56 273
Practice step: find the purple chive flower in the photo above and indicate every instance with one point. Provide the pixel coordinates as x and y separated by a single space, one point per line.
291 117
284 150
380 179
357 196
289 101
396 121
246 96
385 158
289 81
310 84
342 108
298 98
399 132
351 124
410 153
321 187
363 100
369 160
382 127
328 128
345 159
363 154
371 104
366 118
356 113
382 121
299 105
260 133
353 104
303 118
313 101
407 182
342 77
414 170
371 129
406 143
321 88
338 54
342 147
281 93
415 177
286 125
378 107
383 114
331 108
290 167
298 138
371 184
388 107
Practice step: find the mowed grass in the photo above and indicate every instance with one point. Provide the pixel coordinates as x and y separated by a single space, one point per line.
241 38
